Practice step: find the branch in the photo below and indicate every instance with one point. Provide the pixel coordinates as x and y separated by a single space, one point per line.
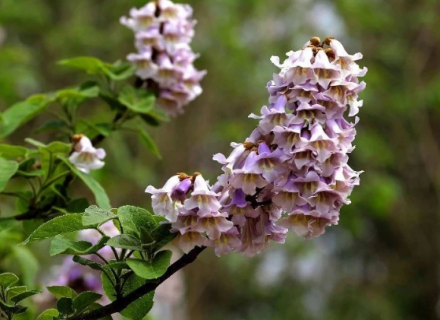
120 304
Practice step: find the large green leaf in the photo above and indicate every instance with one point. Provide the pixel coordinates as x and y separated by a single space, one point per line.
62 245
60 225
125 241
133 218
7 170
151 269
22 112
100 195
149 143
138 309
97 216
137 100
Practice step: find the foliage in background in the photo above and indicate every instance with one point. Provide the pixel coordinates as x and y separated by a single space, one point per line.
384 265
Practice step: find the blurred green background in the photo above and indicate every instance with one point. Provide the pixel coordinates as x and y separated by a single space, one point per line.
382 261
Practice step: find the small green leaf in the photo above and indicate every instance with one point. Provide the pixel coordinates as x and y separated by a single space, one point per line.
84 300
65 306
155 117
101 197
49 314
133 218
7 171
12 152
61 291
59 225
90 65
11 309
125 241
7 279
21 113
137 100
149 143
62 245
97 216
121 70
151 269
88 263
50 125
13 291
24 295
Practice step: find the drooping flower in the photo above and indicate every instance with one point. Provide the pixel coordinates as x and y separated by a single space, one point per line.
84 156
163 32
292 171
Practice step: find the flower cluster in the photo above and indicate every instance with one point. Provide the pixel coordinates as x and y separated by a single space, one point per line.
163 32
195 213
85 157
291 172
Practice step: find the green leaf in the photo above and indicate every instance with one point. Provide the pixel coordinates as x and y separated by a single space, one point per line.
13 291
84 300
7 171
12 152
21 113
125 241
97 216
90 65
62 245
7 279
65 306
121 70
78 95
117 265
88 263
61 291
151 269
24 295
155 117
100 195
162 236
35 143
138 309
133 218
59 225
137 100
49 314
149 143
50 125
11 309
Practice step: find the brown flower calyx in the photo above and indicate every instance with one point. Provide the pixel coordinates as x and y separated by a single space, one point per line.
194 176
248 145
76 138
183 176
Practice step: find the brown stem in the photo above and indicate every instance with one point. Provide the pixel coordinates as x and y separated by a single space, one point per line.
121 303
